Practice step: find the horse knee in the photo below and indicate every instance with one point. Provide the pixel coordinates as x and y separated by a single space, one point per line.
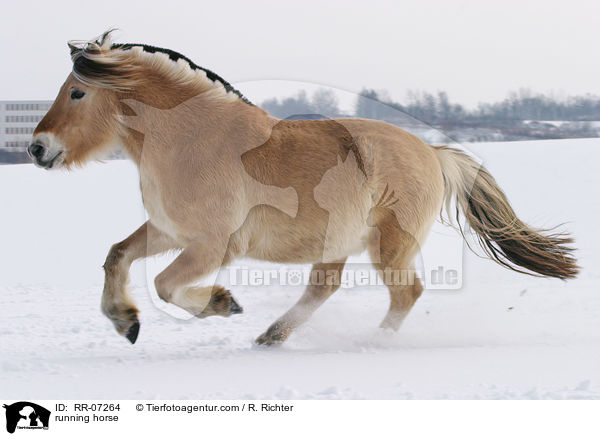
114 258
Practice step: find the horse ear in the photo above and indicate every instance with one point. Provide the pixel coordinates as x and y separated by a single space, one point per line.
74 49
5 406
102 38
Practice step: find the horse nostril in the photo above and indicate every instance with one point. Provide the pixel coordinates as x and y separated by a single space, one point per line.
36 150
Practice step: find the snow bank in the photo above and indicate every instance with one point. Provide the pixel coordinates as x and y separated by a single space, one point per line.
502 335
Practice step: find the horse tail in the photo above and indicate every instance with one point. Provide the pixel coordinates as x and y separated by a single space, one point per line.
502 235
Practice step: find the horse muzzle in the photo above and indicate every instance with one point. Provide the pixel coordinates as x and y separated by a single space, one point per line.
39 153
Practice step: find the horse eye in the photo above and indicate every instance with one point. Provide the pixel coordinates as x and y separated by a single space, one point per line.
77 94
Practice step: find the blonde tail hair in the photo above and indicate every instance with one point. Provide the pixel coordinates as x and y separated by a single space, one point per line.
505 238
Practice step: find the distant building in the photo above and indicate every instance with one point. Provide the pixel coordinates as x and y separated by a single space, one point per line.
18 120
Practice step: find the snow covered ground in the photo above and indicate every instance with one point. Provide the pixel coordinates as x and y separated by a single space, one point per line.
502 336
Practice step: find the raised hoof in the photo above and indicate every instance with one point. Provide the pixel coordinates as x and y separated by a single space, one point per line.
235 308
132 332
221 303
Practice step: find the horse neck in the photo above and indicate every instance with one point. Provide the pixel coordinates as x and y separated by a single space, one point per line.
209 110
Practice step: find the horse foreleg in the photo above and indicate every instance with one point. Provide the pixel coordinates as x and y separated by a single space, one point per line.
311 300
196 261
116 304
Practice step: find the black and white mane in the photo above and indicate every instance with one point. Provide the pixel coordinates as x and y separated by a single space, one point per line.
105 64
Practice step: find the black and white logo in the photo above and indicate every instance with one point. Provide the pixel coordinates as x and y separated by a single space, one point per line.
27 416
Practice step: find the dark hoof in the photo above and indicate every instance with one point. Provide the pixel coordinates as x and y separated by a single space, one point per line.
222 304
235 308
133 331
265 341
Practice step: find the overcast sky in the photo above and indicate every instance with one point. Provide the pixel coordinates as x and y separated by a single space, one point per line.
475 50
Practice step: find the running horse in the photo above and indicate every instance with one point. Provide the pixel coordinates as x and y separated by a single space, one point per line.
221 179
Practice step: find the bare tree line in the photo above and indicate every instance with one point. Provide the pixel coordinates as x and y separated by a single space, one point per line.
438 109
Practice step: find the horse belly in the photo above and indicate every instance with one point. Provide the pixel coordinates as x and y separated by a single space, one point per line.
320 236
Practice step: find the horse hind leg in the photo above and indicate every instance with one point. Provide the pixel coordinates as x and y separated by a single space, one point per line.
327 279
402 299
396 253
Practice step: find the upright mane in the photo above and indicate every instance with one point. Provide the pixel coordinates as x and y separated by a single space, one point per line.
106 64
